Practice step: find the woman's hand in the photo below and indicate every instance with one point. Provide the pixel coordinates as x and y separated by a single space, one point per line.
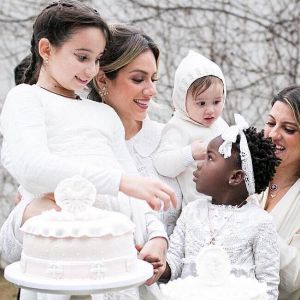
154 252
156 193
37 206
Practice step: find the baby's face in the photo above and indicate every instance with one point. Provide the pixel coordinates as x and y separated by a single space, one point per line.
207 106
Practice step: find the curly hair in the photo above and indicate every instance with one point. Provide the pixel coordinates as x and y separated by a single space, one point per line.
263 157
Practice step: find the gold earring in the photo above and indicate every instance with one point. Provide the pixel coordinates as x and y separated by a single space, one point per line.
46 60
103 93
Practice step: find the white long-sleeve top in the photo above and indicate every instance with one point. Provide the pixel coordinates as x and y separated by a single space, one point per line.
286 215
247 233
174 156
47 137
142 148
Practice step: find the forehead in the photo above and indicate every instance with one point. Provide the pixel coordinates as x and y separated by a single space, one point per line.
283 113
215 143
89 38
144 62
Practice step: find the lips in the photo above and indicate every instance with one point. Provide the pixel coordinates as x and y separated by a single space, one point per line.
142 103
82 81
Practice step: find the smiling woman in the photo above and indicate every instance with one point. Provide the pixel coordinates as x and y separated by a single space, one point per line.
282 199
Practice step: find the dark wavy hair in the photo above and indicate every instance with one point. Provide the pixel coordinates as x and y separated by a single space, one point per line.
57 22
263 157
125 45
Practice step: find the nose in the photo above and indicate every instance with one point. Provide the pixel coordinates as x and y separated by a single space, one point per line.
150 90
210 109
274 133
200 164
92 70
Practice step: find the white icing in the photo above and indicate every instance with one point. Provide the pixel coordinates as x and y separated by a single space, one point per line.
214 281
80 241
75 194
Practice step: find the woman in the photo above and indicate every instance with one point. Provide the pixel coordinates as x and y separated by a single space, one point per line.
282 198
127 84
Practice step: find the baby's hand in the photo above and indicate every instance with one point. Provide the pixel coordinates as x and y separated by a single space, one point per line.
198 150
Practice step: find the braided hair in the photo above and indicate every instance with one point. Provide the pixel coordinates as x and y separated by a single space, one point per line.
57 22
263 157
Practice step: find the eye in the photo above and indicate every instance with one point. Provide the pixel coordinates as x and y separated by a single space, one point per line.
217 102
209 157
270 123
81 58
201 103
154 79
137 80
290 130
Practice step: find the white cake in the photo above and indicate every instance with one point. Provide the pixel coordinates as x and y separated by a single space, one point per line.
214 281
80 241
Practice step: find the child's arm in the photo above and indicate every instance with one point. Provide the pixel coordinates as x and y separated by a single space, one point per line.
266 258
176 251
175 153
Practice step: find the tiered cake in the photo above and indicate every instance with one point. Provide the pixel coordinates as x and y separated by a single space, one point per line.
80 241
214 281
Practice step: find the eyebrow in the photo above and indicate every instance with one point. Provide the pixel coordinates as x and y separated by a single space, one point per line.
285 122
87 50
141 71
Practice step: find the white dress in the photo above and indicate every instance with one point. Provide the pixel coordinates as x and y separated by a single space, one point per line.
142 148
247 234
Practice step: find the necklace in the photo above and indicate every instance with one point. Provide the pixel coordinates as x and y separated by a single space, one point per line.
214 233
76 97
273 188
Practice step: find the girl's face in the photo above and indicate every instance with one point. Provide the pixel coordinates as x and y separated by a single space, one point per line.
214 171
282 128
131 91
207 106
72 65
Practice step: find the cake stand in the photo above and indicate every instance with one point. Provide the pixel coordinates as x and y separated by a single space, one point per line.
138 276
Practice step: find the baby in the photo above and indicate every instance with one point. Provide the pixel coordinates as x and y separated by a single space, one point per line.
198 97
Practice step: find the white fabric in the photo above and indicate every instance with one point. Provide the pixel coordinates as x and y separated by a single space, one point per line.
142 148
229 136
286 216
174 156
170 159
248 236
47 138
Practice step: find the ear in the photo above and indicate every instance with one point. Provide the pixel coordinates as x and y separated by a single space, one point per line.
44 48
236 177
101 79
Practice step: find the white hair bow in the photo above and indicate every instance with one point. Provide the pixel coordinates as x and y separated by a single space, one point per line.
229 137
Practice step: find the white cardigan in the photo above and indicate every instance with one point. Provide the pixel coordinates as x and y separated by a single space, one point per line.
47 138
286 215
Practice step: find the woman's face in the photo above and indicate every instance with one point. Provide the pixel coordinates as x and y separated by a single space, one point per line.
282 128
131 91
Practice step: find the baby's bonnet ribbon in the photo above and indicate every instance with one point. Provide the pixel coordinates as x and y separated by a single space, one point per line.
229 137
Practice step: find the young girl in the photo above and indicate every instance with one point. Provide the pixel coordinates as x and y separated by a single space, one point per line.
198 97
50 133
239 163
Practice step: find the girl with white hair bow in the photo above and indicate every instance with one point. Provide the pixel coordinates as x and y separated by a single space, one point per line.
239 163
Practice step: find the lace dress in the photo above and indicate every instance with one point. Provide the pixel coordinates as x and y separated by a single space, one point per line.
246 233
